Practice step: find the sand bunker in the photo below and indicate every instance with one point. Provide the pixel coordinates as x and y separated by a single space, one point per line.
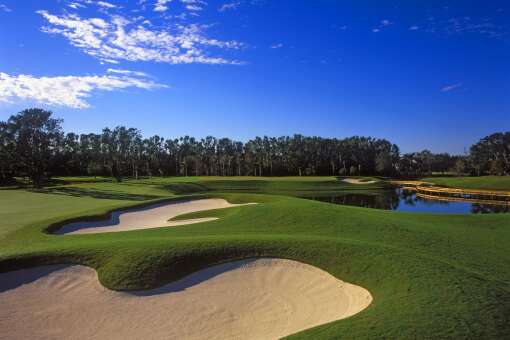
357 181
249 299
153 216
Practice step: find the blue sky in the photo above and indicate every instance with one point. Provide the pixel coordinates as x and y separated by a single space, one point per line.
423 74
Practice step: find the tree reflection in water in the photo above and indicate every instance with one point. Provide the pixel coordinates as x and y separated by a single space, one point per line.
478 208
405 200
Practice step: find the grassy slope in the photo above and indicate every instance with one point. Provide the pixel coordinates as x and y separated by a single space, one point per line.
483 182
19 207
431 276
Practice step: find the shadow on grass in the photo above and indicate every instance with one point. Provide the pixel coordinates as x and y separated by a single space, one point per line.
113 219
185 188
94 193
24 183
194 279
15 279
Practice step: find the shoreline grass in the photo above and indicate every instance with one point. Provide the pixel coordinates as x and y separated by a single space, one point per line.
498 183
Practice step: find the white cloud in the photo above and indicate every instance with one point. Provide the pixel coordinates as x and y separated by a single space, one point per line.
121 38
103 5
127 72
68 91
194 5
161 6
452 87
484 26
278 45
191 5
4 8
384 23
75 5
229 6
106 4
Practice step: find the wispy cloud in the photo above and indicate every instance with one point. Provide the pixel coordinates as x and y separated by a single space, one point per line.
190 5
229 6
161 5
462 25
103 5
106 4
70 91
277 45
384 23
76 5
4 8
127 72
194 5
451 87
118 38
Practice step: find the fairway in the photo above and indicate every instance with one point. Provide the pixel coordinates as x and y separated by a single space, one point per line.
429 275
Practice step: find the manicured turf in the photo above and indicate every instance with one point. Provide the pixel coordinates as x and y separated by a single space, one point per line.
431 276
483 182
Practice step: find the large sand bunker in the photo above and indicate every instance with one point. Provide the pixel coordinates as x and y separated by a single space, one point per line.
248 299
153 216
357 181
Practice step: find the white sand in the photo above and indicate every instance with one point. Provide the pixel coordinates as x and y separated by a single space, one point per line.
249 299
154 216
357 181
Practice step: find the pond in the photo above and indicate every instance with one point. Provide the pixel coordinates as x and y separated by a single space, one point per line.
407 201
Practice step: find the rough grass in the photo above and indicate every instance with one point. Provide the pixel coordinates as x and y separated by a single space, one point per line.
483 182
431 276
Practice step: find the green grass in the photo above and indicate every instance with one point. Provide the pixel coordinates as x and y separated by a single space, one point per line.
483 182
431 276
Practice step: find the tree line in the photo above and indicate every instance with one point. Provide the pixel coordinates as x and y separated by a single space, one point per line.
33 144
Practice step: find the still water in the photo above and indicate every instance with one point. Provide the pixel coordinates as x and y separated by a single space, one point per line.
407 201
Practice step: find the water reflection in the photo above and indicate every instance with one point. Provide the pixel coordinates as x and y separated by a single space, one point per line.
405 200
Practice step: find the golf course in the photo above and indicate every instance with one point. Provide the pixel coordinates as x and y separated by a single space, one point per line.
254 170
428 275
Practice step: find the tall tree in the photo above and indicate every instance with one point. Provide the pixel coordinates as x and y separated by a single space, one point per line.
7 154
32 144
492 152
36 136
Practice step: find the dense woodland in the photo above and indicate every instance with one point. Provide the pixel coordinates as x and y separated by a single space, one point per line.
33 145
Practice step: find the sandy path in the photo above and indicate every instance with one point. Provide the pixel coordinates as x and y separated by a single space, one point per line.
357 181
154 216
249 299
